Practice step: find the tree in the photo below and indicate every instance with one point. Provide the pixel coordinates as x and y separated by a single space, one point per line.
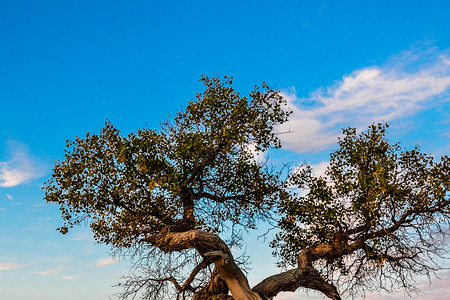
378 217
170 197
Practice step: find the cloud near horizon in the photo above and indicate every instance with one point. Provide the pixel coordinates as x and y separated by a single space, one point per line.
406 84
10 266
49 272
71 277
20 168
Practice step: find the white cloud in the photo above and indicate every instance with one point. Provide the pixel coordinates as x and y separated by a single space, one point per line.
445 60
105 262
258 156
20 168
10 266
320 168
49 272
408 83
71 277
79 238
9 197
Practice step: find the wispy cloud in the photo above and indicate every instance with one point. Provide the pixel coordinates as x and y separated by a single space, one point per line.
20 168
49 272
408 83
80 238
105 262
71 277
10 266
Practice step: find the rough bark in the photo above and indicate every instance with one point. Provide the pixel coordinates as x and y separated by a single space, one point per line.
233 276
213 249
291 280
217 289
200 240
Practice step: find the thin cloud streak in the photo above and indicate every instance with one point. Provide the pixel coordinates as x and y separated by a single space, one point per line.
49 272
10 266
71 277
80 238
407 85
105 262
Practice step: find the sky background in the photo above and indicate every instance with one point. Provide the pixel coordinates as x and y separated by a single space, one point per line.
68 66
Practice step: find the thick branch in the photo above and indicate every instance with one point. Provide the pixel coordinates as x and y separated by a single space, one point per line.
200 240
233 276
210 246
292 280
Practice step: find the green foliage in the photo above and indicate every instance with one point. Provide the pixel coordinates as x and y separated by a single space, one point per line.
388 202
195 172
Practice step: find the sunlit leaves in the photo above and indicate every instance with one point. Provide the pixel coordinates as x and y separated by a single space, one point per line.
195 172
387 202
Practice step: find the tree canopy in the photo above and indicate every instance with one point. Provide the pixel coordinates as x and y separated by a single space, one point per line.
378 217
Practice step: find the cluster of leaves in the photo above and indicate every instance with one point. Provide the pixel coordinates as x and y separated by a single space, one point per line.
195 172
392 202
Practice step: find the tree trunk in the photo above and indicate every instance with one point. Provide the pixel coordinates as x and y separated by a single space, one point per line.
214 249
210 246
233 276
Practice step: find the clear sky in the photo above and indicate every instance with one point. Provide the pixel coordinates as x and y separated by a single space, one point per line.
67 66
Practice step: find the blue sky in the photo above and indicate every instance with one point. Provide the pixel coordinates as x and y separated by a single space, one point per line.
67 66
